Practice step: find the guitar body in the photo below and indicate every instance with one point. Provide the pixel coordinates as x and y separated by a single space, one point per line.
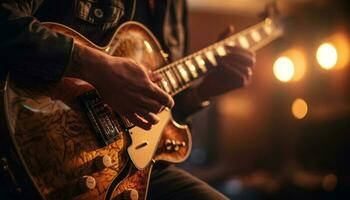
51 138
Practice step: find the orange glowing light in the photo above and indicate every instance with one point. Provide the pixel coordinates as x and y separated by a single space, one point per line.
283 69
291 65
334 52
299 108
327 56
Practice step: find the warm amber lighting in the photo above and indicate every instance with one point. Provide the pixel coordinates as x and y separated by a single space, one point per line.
284 69
299 108
340 42
329 182
327 56
297 56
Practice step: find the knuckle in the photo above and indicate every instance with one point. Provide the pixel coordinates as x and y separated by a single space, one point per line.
129 61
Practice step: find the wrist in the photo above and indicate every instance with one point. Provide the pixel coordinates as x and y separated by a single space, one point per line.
75 65
84 62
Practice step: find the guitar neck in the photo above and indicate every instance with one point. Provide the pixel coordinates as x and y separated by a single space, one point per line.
181 74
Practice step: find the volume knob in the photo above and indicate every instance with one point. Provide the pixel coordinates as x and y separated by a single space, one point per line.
102 162
87 183
130 194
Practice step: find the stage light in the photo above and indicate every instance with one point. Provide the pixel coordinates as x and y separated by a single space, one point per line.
334 52
299 108
327 56
284 69
291 65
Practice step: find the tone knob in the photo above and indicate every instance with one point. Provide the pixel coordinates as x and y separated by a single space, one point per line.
130 194
168 145
87 183
181 144
173 145
102 162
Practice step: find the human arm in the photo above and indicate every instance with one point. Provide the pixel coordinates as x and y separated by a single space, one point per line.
44 56
123 84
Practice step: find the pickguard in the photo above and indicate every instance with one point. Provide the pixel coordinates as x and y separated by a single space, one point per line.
144 143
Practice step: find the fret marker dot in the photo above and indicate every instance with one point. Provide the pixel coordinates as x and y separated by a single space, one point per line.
256 36
243 42
221 51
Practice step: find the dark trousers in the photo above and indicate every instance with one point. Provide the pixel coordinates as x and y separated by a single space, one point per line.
172 183
169 182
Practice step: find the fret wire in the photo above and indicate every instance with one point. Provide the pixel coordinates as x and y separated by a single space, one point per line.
255 35
165 86
178 76
251 40
184 72
171 76
192 69
160 85
200 62
167 79
180 89
266 41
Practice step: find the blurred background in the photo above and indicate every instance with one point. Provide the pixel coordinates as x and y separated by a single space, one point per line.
287 135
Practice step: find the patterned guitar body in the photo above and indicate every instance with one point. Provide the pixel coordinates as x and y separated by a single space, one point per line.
56 141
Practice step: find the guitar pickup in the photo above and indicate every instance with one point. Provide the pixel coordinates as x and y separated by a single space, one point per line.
102 120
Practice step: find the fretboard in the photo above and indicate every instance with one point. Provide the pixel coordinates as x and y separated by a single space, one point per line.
181 74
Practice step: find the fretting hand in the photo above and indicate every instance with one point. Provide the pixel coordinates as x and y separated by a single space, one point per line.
234 71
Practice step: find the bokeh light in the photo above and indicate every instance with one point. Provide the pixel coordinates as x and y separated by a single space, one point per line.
284 69
299 108
327 56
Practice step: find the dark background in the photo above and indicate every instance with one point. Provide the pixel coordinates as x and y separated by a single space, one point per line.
247 143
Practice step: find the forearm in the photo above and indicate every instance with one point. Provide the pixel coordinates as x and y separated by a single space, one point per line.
29 48
84 62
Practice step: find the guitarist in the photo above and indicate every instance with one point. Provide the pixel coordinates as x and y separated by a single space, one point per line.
40 55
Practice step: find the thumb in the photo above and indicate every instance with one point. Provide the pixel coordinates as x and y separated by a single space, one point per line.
227 32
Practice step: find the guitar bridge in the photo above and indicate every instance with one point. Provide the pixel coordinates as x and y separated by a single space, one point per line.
102 120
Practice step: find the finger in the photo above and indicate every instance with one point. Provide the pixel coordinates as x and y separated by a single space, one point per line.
151 105
138 121
155 78
227 32
151 118
239 55
146 103
239 51
160 96
143 67
246 70
244 74
148 116
152 91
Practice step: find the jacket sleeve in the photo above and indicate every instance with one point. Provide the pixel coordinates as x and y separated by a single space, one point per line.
27 47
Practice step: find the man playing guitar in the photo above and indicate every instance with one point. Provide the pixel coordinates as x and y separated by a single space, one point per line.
38 54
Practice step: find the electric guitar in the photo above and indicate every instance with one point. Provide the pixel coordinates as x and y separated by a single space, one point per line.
63 142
